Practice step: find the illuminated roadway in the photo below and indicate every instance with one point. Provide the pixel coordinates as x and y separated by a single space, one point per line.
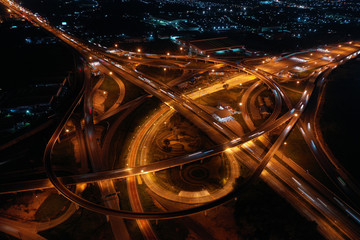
345 225
326 160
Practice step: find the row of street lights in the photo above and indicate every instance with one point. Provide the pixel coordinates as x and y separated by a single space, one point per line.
168 54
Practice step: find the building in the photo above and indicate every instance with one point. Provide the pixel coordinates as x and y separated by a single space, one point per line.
178 24
223 115
212 45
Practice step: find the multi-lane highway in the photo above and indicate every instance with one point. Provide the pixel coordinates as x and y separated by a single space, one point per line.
335 218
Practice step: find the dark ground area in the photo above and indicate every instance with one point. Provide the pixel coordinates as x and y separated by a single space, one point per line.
262 214
32 57
339 118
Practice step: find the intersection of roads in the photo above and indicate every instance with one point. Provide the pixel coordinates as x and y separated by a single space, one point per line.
337 216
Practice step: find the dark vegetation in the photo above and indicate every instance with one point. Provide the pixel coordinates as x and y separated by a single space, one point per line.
53 206
83 224
261 214
339 119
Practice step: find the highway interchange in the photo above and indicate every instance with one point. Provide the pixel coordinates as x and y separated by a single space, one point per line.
337 217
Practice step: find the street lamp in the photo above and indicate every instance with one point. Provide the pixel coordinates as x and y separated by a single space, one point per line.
138 50
282 151
167 54
37 199
110 73
164 72
116 45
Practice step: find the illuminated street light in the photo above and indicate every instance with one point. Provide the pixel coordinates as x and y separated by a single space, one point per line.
67 130
181 48
295 114
168 54
240 104
138 50
104 92
116 45
263 61
213 70
285 143
164 69
129 57
9 10
208 55
110 73
90 58
297 82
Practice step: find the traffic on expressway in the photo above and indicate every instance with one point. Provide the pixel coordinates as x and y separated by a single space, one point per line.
337 216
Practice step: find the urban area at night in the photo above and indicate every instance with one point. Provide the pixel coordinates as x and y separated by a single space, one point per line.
179 119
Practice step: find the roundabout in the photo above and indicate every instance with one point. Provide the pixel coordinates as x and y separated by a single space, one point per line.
194 183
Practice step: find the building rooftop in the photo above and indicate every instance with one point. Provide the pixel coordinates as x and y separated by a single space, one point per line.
213 44
223 115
